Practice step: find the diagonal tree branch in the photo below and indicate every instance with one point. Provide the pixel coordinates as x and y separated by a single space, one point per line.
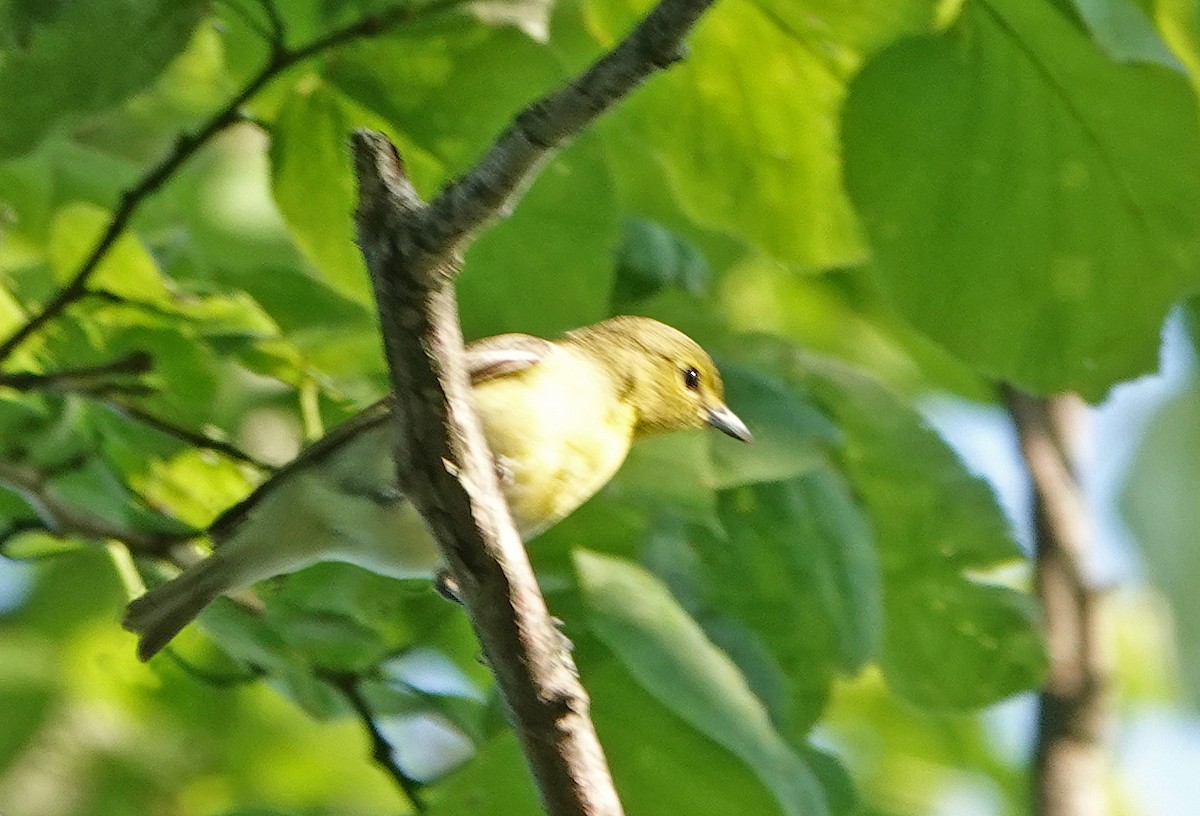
413 254
70 379
1075 707
280 59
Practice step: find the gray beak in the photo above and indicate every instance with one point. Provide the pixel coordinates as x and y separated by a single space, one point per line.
727 422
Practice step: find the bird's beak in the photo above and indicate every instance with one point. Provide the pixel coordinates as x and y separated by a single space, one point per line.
727 422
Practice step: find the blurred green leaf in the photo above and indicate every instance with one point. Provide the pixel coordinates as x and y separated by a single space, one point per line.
951 640
790 434
1126 32
128 270
260 647
1178 23
29 689
860 26
688 494
650 259
84 57
313 184
793 593
1031 204
329 640
1161 500
806 551
672 659
561 239
839 788
662 763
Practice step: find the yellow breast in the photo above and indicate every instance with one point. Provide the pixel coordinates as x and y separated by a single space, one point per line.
559 433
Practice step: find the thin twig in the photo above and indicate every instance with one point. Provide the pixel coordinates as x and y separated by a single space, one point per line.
188 144
69 379
198 439
381 749
1075 707
497 180
65 518
91 382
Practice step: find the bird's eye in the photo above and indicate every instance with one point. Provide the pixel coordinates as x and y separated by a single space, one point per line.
691 378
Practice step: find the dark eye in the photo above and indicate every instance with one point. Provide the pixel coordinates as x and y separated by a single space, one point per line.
691 378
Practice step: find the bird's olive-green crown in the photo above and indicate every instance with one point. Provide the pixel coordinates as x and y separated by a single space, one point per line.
671 382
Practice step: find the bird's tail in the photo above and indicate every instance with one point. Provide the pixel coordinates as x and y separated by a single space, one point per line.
160 614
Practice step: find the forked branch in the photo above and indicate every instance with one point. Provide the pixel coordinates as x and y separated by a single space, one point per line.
413 253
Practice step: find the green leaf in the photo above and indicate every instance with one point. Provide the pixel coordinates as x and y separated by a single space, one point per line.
1178 22
561 236
804 552
232 316
835 27
255 644
560 240
29 689
399 613
1032 206
792 592
957 643
128 270
839 788
437 96
790 435
185 373
650 259
746 126
495 783
671 658
86 57
950 639
327 639
661 763
313 181
688 493
1191 321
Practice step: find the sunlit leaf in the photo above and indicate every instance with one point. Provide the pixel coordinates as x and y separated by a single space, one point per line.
1031 204
128 270
746 127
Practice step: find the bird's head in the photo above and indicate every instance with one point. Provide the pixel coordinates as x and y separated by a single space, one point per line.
670 381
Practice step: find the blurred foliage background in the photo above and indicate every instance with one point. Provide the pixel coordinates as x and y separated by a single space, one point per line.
872 212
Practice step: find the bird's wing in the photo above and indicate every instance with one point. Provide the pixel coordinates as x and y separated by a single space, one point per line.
504 354
370 417
486 359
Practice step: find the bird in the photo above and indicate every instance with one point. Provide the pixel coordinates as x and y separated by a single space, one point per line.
558 415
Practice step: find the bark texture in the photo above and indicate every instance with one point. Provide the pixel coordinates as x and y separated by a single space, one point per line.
1075 706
